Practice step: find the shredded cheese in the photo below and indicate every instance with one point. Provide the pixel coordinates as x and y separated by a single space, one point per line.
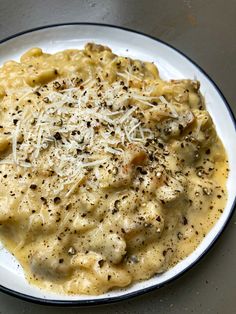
78 126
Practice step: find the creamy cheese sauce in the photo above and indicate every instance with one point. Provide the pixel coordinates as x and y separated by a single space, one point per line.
108 174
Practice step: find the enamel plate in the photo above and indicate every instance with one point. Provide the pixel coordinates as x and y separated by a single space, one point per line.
172 64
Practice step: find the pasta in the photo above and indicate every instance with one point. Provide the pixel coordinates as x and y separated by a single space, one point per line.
108 174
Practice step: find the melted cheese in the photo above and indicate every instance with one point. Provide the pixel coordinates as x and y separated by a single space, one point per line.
108 174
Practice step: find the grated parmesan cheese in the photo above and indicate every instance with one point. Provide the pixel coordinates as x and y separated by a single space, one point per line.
78 126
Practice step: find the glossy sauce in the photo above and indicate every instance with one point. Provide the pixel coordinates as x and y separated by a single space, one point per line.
108 175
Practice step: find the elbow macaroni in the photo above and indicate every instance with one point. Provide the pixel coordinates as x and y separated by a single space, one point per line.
108 174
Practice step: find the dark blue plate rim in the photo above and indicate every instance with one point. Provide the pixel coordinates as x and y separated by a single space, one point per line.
109 300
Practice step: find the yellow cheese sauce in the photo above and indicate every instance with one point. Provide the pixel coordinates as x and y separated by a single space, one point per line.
108 174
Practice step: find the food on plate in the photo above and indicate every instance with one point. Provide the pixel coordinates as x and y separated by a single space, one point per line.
108 174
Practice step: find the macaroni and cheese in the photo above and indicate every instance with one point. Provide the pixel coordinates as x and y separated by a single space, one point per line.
108 174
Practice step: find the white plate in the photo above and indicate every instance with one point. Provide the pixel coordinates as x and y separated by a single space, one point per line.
172 64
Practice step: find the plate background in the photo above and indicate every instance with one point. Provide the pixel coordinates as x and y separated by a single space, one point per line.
212 281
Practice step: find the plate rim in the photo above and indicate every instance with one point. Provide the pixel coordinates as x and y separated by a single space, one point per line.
115 299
